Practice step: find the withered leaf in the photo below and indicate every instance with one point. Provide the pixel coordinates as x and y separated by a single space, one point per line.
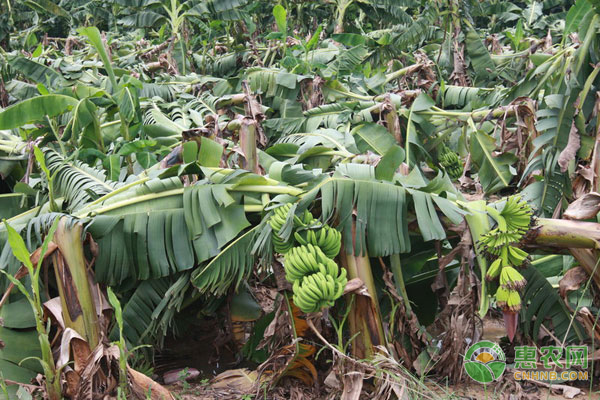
573 279
570 150
585 207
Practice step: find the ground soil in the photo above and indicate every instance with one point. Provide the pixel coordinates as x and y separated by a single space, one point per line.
292 389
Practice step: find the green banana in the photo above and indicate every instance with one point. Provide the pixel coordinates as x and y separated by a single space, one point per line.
508 299
300 239
316 279
450 162
328 239
513 221
494 270
516 256
514 301
512 279
276 222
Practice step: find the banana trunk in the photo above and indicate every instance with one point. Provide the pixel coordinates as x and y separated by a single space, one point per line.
365 317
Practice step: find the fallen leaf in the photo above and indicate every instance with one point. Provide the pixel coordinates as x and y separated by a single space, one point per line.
353 383
242 380
568 392
143 387
423 363
493 329
332 381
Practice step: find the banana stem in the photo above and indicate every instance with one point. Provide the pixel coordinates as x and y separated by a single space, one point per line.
290 308
478 225
110 123
399 278
365 316
401 72
12 148
564 233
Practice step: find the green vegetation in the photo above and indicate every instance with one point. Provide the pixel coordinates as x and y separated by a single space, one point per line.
336 186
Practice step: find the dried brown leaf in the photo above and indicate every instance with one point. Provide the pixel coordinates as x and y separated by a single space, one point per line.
353 383
573 279
332 381
53 309
241 379
356 285
585 207
72 341
589 321
143 387
570 150
96 380
568 392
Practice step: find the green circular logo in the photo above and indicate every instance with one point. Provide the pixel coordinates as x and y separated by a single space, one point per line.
485 361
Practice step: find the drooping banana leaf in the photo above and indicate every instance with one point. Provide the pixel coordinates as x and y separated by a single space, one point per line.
35 109
229 268
493 171
381 210
77 182
543 305
149 311
37 72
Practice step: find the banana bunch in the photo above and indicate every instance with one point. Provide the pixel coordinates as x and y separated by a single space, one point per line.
508 299
451 163
328 239
318 290
508 255
495 241
494 269
513 222
308 259
515 255
316 279
301 261
510 278
507 295
278 219
517 213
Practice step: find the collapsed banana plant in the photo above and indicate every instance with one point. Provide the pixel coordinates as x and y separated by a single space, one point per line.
79 362
309 266
513 222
